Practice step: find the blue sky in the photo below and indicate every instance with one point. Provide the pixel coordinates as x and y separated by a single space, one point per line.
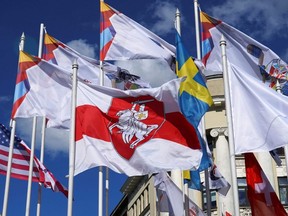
76 23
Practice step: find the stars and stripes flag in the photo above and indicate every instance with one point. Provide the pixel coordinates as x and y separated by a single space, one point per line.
21 160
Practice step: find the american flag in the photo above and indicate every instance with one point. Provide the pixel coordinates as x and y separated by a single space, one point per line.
21 160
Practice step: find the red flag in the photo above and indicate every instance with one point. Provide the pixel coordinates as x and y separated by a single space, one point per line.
262 197
227 214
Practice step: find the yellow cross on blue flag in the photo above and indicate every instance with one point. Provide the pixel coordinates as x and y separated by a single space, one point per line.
194 96
194 100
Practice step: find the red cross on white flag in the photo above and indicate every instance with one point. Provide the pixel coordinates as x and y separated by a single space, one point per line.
262 197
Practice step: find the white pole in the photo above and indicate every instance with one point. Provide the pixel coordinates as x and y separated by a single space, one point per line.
100 184
178 21
72 139
40 47
107 191
41 160
197 32
43 125
100 176
100 192
9 166
176 175
31 163
230 126
11 146
198 46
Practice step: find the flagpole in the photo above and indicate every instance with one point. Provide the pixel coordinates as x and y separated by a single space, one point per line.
100 176
230 126
197 31
107 191
72 139
11 146
43 125
176 175
198 47
100 184
32 149
41 160
9 166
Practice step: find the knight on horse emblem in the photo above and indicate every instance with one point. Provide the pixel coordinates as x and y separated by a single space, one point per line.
131 125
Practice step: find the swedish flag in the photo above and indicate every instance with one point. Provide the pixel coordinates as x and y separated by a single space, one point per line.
194 96
194 100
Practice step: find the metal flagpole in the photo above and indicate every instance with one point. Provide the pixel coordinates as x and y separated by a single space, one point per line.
176 175
72 139
9 166
43 125
41 160
100 183
100 186
11 146
107 191
206 172
33 139
230 125
197 29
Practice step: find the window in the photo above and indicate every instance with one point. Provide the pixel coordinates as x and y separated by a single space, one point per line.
283 190
242 192
213 199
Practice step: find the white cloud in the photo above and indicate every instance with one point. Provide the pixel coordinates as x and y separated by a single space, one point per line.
83 47
164 14
56 140
265 17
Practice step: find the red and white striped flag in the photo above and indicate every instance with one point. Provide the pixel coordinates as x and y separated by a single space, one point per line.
21 160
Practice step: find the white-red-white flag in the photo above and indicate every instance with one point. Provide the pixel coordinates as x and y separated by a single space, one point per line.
262 197
135 132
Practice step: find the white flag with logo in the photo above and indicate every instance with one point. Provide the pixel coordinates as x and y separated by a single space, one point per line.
259 113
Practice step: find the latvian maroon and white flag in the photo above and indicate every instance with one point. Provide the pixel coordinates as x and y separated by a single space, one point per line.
135 132
262 197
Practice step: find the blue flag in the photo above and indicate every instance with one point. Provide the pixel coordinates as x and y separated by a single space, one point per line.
194 100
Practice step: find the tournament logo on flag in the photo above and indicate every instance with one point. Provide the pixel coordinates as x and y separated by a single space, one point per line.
134 121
